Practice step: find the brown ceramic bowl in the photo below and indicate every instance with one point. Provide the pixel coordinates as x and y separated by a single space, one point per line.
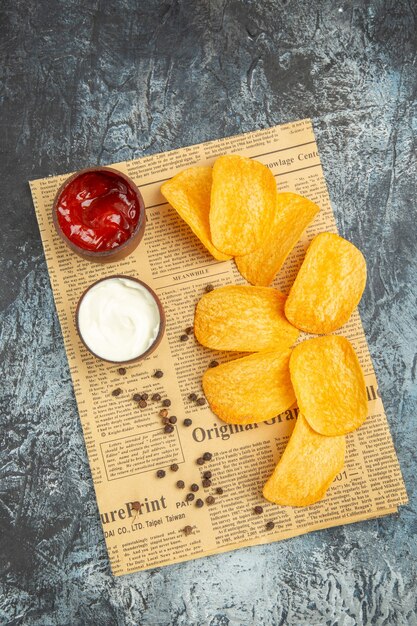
162 322
103 256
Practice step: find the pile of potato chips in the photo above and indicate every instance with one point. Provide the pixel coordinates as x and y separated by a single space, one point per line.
235 210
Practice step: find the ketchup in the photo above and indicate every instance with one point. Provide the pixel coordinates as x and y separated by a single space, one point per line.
98 210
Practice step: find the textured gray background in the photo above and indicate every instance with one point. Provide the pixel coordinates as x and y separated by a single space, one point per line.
86 82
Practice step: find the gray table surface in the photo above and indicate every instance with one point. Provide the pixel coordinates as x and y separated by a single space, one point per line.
93 82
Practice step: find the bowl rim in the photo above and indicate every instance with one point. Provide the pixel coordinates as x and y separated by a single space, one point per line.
162 320
99 254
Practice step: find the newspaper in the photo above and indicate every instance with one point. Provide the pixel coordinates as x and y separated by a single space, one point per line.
143 516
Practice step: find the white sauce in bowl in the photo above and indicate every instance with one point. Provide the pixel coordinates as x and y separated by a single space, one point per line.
118 319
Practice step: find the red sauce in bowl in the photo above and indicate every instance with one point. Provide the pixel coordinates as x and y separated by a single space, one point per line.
98 210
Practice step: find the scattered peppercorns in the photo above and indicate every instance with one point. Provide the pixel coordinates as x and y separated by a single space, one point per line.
156 397
166 402
116 392
201 401
143 404
269 525
168 429
258 510
194 487
173 419
207 456
160 473
200 461
206 482
188 530
187 421
180 484
213 363
158 373
219 490
184 338
137 397
189 330
163 413
192 397
207 474
209 288
122 371
210 500
190 497
199 503
174 467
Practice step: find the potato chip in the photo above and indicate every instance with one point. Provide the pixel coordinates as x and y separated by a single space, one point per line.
293 213
329 385
189 194
307 468
328 286
251 389
242 204
244 319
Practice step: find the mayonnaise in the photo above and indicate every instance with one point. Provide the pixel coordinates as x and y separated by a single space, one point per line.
118 319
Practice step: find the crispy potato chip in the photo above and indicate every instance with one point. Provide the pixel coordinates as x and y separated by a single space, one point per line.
329 385
251 389
293 213
189 194
244 319
307 468
328 286
242 204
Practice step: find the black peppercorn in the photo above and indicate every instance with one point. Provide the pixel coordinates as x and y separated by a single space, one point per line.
156 397
192 397
174 467
166 402
207 456
158 374
168 429
190 497
116 392
201 401
122 371
187 421
258 510
160 473
180 484
172 419
194 487
199 503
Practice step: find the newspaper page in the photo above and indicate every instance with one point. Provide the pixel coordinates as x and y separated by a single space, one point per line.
144 516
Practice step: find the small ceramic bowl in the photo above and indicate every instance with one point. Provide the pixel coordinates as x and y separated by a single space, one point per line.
119 252
157 339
